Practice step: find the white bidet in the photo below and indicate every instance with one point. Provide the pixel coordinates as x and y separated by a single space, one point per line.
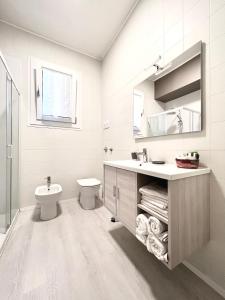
47 198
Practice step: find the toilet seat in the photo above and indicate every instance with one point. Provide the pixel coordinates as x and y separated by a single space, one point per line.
88 182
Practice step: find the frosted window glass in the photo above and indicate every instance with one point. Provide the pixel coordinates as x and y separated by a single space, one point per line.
56 94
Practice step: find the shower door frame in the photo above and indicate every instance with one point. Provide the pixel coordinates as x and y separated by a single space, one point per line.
12 153
8 149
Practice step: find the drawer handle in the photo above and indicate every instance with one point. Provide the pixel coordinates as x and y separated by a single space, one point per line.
9 151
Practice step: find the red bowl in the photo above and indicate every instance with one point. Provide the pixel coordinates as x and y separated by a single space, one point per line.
187 163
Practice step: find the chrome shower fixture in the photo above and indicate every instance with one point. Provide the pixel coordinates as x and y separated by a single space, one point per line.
155 64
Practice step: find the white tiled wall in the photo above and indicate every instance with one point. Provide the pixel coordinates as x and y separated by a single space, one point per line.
64 154
168 27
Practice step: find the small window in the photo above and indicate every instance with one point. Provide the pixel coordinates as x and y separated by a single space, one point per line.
55 96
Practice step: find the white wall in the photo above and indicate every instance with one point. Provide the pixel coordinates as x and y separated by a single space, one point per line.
168 27
165 27
64 154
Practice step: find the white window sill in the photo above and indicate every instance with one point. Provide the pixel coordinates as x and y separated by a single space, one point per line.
66 127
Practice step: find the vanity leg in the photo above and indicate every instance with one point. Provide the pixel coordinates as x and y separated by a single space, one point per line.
114 219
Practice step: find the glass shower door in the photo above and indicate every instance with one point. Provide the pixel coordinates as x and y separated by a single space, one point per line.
15 153
3 147
8 148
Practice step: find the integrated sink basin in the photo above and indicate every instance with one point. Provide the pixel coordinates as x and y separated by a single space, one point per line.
165 171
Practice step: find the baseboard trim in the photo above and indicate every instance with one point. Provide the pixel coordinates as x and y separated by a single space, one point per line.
29 207
32 207
68 200
206 279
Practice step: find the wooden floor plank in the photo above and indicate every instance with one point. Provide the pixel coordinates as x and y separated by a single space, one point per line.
81 255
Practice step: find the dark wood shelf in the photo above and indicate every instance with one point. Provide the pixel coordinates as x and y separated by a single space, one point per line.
179 82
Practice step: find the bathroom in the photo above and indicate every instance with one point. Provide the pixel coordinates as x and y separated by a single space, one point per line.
110 47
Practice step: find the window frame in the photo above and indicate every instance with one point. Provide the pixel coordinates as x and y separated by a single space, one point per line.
35 86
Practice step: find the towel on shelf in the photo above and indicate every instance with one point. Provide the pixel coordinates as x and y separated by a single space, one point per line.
141 238
142 221
157 247
163 212
163 237
154 190
161 203
163 257
154 213
156 226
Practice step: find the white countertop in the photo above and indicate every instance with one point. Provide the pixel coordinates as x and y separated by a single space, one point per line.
165 171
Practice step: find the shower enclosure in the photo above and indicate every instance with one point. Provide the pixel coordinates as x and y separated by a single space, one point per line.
9 147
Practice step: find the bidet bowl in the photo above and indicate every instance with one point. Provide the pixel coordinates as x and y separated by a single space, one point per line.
42 192
47 199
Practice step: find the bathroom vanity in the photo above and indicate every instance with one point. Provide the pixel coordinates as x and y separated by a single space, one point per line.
188 202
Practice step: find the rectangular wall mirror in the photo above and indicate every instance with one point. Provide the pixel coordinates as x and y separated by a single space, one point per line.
170 100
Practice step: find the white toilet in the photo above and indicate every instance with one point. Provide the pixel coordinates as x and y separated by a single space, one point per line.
47 198
89 190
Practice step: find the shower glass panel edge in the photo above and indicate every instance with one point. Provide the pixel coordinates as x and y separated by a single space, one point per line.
3 148
8 149
15 153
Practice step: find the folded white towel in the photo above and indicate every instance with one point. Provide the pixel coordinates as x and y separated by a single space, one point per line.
154 213
142 221
163 212
156 247
161 203
156 226
154 190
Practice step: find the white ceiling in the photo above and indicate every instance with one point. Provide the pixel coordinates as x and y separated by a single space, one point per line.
87 26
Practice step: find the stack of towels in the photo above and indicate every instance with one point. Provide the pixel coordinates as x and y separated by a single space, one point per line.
155 199
153 233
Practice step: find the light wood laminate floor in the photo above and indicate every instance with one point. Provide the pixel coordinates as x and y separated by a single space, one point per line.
81 255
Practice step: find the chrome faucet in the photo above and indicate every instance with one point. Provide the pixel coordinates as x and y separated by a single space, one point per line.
48 178
144 155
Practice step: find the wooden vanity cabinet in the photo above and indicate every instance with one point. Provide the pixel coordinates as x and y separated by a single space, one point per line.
188 220
110 189
120 195
127 198
188 208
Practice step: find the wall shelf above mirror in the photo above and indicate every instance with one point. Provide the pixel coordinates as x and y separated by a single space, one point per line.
170 100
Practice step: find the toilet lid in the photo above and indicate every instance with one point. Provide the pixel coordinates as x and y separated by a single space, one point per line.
88 182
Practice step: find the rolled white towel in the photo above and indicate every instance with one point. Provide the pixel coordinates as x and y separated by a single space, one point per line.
163 237
141 238
156 247
142 221
156 226
163 257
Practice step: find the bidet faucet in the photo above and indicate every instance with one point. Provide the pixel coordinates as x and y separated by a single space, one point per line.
48 182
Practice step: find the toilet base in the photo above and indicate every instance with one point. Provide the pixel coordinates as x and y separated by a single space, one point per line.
88 197
48 210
